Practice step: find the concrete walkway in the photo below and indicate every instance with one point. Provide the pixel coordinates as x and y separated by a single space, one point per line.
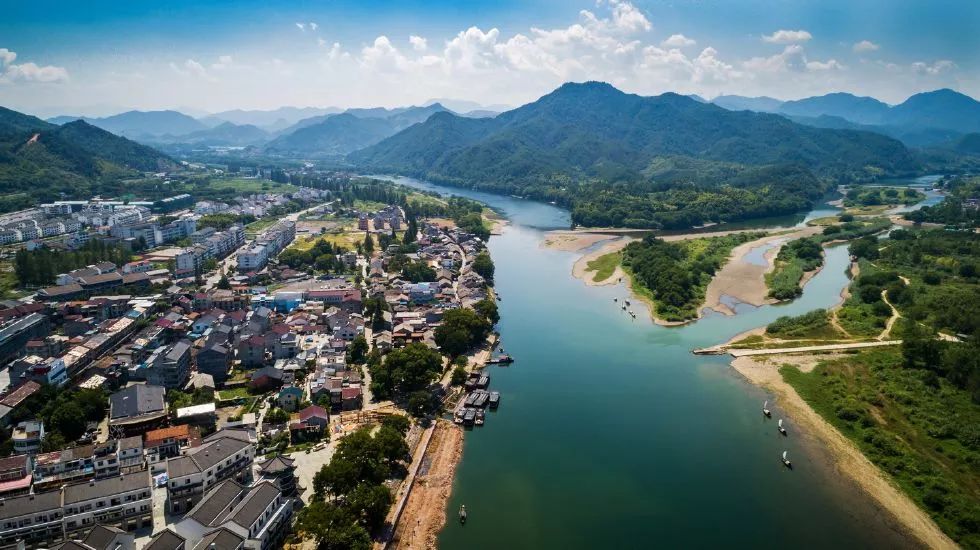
806 349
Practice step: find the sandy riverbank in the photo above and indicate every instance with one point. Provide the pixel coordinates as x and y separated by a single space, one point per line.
572 241
745 282
425 511
847 458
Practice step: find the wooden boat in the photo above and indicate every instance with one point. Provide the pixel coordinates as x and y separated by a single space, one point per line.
501 359
786 461
782 430
462 513
615 299
470 417
627 302
481 399
494 399
765 410
480 418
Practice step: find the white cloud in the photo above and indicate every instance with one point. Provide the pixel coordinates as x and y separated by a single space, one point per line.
829 65
678 41
934 68
7 57
865 46
321 42
787 37
313 26
301 26
28 72
418 43
191 68
223 62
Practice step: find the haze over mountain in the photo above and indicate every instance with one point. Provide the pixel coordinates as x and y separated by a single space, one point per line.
924 119
351 130
39 161
274 120
140 124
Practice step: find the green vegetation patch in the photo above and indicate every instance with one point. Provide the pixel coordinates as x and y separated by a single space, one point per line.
794 259
919 428
675 275
604 266
815 325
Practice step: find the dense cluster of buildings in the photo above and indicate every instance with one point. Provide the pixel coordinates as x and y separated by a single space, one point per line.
288 346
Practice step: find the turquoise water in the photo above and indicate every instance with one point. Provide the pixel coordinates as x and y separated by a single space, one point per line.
611 434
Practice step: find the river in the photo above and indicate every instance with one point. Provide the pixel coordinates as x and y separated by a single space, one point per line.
611 434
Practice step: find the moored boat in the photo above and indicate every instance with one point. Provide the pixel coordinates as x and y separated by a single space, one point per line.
765 410
786 461
462 513
494 399
480 418
782 430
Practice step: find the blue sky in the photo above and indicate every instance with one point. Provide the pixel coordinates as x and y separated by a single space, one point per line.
102 56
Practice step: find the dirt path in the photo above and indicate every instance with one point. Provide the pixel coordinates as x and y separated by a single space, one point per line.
891 320
847 457
424 513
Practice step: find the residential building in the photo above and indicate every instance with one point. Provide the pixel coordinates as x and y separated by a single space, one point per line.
224 455
170 366
27 436
16 476
122 501
259 515
136 409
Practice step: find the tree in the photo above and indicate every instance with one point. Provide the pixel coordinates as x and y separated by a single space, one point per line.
69 420
391 444
224 283
920 348
483 265
332 527
421 403
487 309
461 330
276 416
368 245
405 370
369 503
358 349
458 378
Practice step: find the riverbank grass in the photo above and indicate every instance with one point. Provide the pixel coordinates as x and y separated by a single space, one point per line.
921 430
604 266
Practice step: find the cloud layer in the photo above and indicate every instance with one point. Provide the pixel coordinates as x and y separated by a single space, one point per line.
29 71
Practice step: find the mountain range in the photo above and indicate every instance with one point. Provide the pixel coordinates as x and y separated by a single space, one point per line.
348 131
40 161
923 120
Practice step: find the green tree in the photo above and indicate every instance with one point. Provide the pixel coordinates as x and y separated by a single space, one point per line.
487 309
483 265
224 283
368 245
369 503
461 330
332 527
358 350
405 370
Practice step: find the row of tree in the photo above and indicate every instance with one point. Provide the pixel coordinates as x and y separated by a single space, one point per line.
40 266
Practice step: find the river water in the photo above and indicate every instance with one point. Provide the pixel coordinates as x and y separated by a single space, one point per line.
611 434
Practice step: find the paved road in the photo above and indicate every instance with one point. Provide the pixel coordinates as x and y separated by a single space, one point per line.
829 347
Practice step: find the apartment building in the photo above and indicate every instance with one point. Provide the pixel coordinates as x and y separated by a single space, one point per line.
226 454
259 514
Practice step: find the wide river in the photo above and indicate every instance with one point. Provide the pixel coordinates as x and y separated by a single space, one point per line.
611 434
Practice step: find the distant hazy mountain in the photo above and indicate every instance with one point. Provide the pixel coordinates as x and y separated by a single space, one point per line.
944 109
480 113
225 134
593 128
354 129
863 110
273 120
141 124
761 104
464 106
40 161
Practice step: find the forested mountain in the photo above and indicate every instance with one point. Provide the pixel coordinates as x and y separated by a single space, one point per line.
142 124
576 142
862 110
40 161
351 130
225 134
943 109
272 120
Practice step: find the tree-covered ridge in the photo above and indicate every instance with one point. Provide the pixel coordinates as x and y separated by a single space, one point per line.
675 275
959 209
597 149
41 161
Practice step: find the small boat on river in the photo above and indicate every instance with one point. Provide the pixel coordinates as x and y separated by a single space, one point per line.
462 513
494 399
782 430
765 410
501 360
480 417
786 461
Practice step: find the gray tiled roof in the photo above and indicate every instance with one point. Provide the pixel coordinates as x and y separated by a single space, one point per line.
253 505
79 492
222 539
101 536
216 502
29 504
165 540
136 400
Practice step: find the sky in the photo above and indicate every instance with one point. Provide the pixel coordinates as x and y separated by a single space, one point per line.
100 57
